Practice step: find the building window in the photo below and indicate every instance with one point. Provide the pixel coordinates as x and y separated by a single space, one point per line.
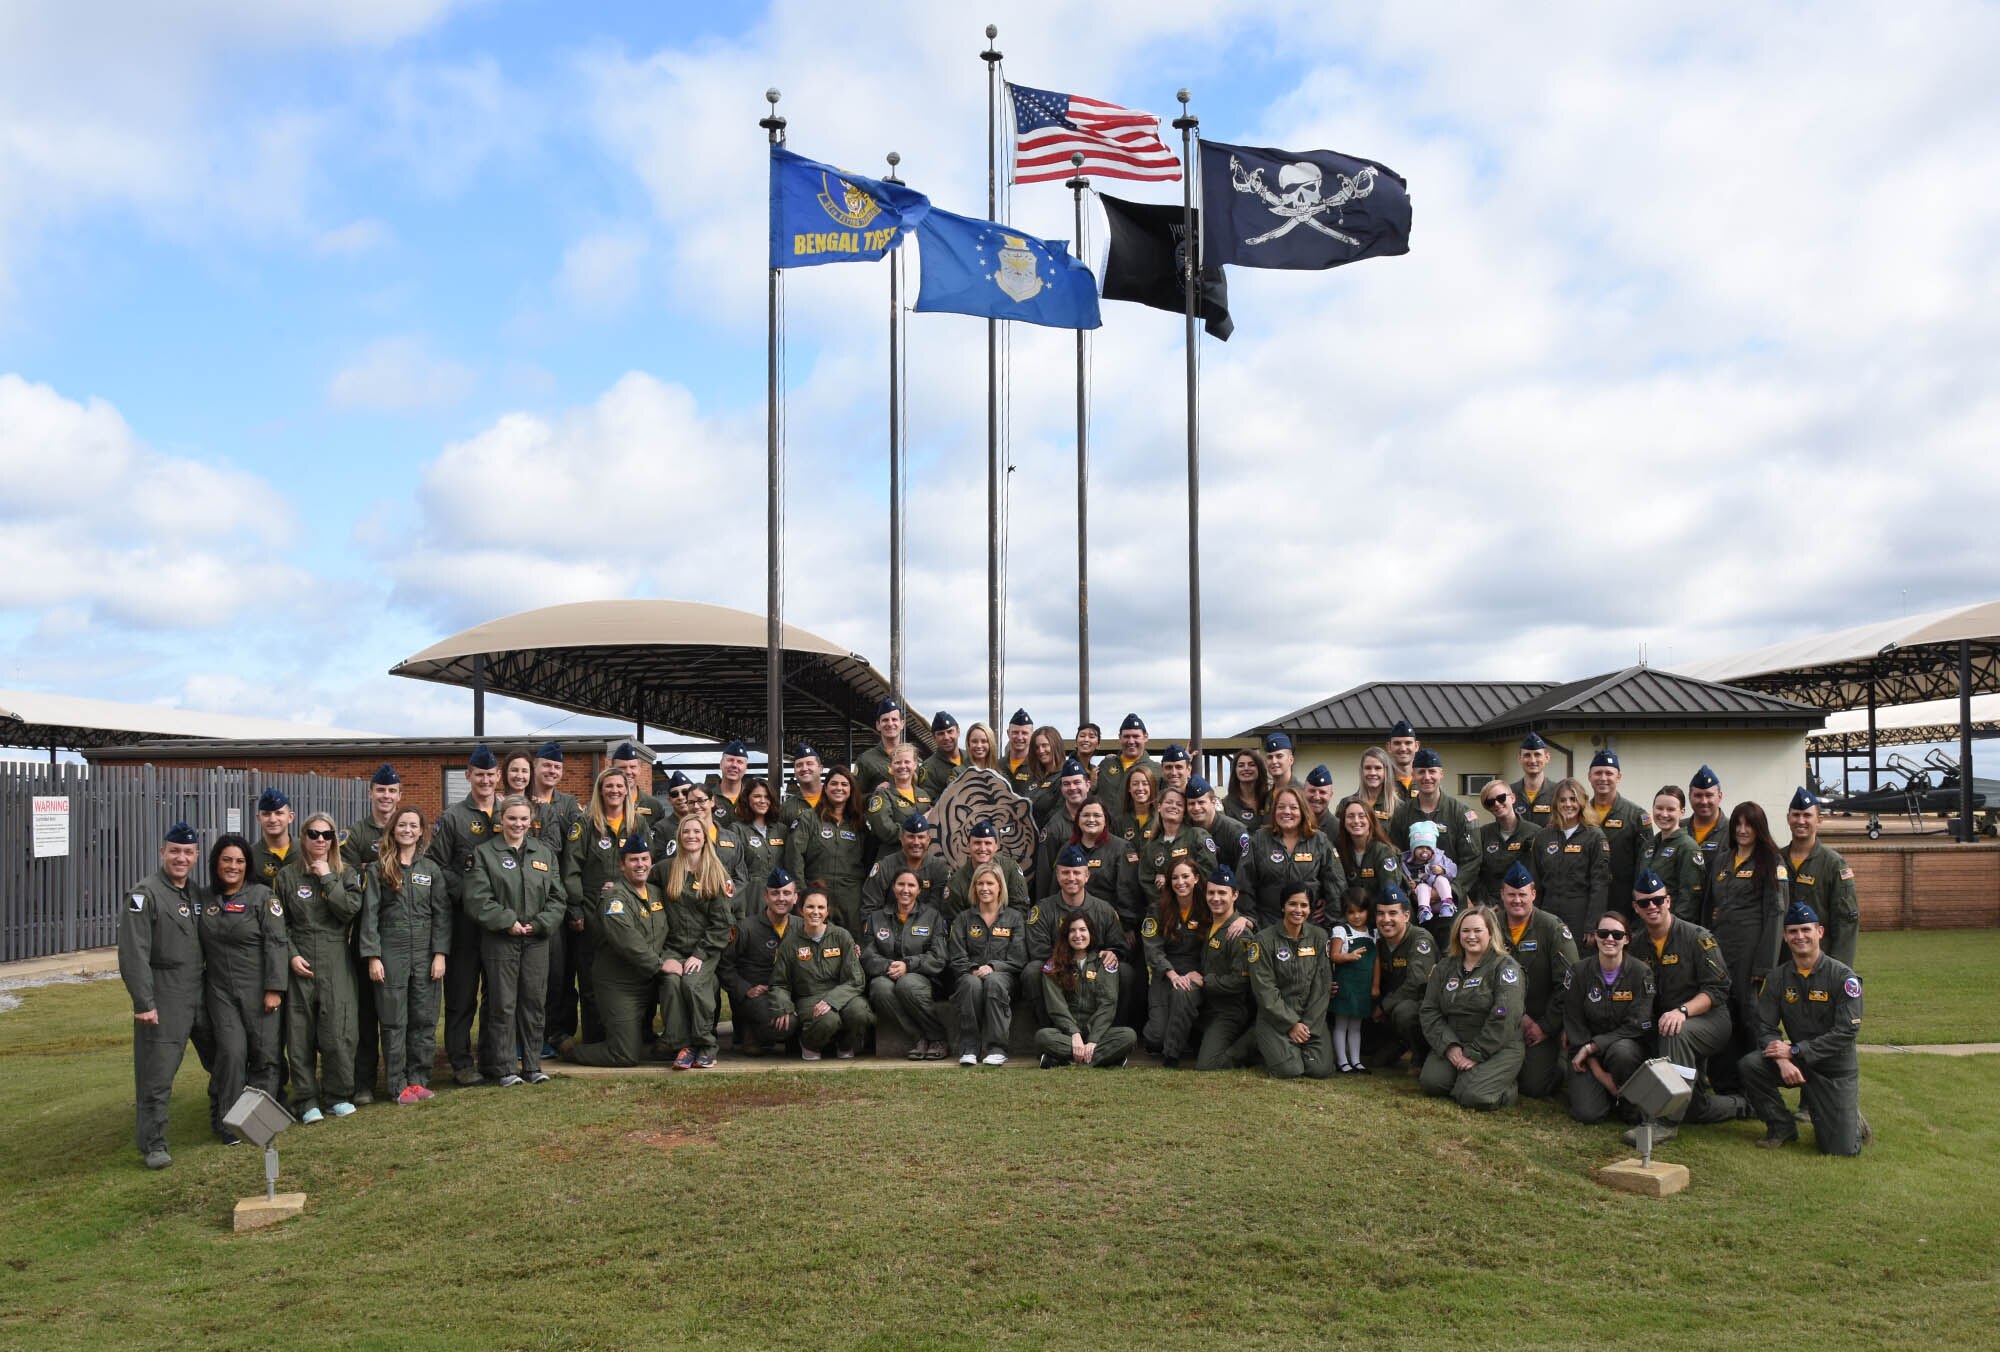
1470 786
456 787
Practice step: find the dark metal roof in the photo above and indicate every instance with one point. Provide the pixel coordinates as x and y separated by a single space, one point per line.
218 748
1642 697
1435 709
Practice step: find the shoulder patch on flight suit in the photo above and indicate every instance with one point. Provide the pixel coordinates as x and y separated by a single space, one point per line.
1423 941
138 901
478 828
1255 952
1034 914
1150 928
1707 941
617 907
277 909
576 831
1853 987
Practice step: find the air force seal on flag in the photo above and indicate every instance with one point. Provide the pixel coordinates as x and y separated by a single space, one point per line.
1017 275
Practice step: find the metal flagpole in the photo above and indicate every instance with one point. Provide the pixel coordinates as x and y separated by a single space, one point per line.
1187 122
992 59
895 463
774 628
1076 186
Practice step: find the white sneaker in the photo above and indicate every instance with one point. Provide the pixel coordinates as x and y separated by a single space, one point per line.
311 1115
968 1059
994 1059
845 1054
808 1054
342 1109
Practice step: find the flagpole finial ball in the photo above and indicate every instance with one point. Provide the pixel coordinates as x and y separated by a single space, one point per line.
1184 93
771 96
1076 158
992 31
894 159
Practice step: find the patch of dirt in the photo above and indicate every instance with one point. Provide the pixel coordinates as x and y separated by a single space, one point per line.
668 1141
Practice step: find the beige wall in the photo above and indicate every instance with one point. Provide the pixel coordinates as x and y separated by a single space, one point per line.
1762 766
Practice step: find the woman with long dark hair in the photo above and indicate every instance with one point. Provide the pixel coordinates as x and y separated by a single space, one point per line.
831 847
1246 799
1747 907
1080 1004
1366 857
1173 937
242 931
405 933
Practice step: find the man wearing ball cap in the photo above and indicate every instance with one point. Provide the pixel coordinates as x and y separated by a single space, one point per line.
1821 878
1806 1024
160 961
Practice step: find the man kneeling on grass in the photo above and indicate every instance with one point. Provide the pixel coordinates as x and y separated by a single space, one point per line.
1807 1020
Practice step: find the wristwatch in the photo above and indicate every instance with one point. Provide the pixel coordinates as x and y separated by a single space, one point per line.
1684 1011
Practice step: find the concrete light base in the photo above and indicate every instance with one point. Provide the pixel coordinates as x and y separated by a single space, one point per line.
254 1213
1648 1180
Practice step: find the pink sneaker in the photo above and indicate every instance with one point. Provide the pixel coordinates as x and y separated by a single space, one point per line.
424 1092
410 1094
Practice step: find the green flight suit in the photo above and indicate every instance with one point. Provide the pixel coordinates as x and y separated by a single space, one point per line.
959 887
1090 1011
985 1004
933 881
460 830
1749 923
1272 867
1228 1008
160 961
1710 853
871 770
358 845
1613 1018
1046 921
797 810
1146 866
1628 831
1541 809
406 927
1678 862
698 926
632 938
918 941
508 886
1688 962
834 853
828 968
243 955
1246 815
1111 773
937 773
590 870
1823 881
321 1031
746 965
763 850
1173 948
1292 980
1545 951
1498 851
265 862
887 808
1480 1012
1375 867
1406 974
1572 875
1820 1012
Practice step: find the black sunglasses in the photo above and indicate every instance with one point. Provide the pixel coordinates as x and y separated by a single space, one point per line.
312 834
1649 902
1610 934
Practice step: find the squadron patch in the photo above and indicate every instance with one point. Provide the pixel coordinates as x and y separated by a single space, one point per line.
305 892
1853 987
1150 928
1282 954
576 831
1277 856
138 901
277 908
1510 974
507 861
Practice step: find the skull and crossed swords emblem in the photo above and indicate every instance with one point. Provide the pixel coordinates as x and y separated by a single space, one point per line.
1298 199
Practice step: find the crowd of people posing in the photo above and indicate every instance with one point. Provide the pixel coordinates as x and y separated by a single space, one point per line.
1551 949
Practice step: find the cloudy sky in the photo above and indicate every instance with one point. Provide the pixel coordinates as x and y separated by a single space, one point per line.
329 330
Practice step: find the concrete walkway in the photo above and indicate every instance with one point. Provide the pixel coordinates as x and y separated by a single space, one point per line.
1934 1049
37 970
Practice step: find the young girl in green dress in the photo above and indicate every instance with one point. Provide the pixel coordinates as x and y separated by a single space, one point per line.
1354 977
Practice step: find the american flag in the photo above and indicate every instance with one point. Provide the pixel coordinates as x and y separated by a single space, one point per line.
1116 142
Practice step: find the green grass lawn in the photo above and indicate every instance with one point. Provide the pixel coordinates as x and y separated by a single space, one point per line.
1930 985
959 1209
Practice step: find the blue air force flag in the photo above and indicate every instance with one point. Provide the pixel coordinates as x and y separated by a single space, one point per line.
821 215
973 267
1264 208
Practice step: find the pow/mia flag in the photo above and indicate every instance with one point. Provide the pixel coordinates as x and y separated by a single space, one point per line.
1265 208
1148 263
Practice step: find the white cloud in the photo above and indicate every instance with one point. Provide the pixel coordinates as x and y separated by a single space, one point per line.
399 375
603 271
96 521
356 237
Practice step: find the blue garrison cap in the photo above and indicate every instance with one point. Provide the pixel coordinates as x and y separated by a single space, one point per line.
481 759
273 800
1071 857
385 773
636 843
677 780
1175 754
1020 720
1073 766
1518 876
1319 777
886 706
1647 882
1199 787
1704 778
1426 759
1605 757
1798 913
1803 799
1132 723
942 720
780 877
180 833
983 830
1401 728
1533 742
1277 741
1392 894
915 824
549 751
1224 876
736 749
625 751
803 750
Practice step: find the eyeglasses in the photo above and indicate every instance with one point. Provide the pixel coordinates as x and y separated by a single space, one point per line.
1617 936
318 834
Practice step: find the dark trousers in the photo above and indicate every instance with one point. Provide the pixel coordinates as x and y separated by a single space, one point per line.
462 977
572 960
517 977
368 1044
157 1049
246 1047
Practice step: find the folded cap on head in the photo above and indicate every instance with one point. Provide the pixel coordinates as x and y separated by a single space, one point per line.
736 749
1277 741
273 800
1401 728
636 843
626 751
180 833
1319 777
1072 856
1224 876
942 720
1533 742
482 758
1175 754
1198 787
549 751
1132 723
1804 800
1518 876
385 773
983 830
1020 720
804 751
1646 882
886 706
1426 759
1704 778
1073 766
915 824
1604 758
1798 913
780 877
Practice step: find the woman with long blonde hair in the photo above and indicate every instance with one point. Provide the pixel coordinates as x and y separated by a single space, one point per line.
696 889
